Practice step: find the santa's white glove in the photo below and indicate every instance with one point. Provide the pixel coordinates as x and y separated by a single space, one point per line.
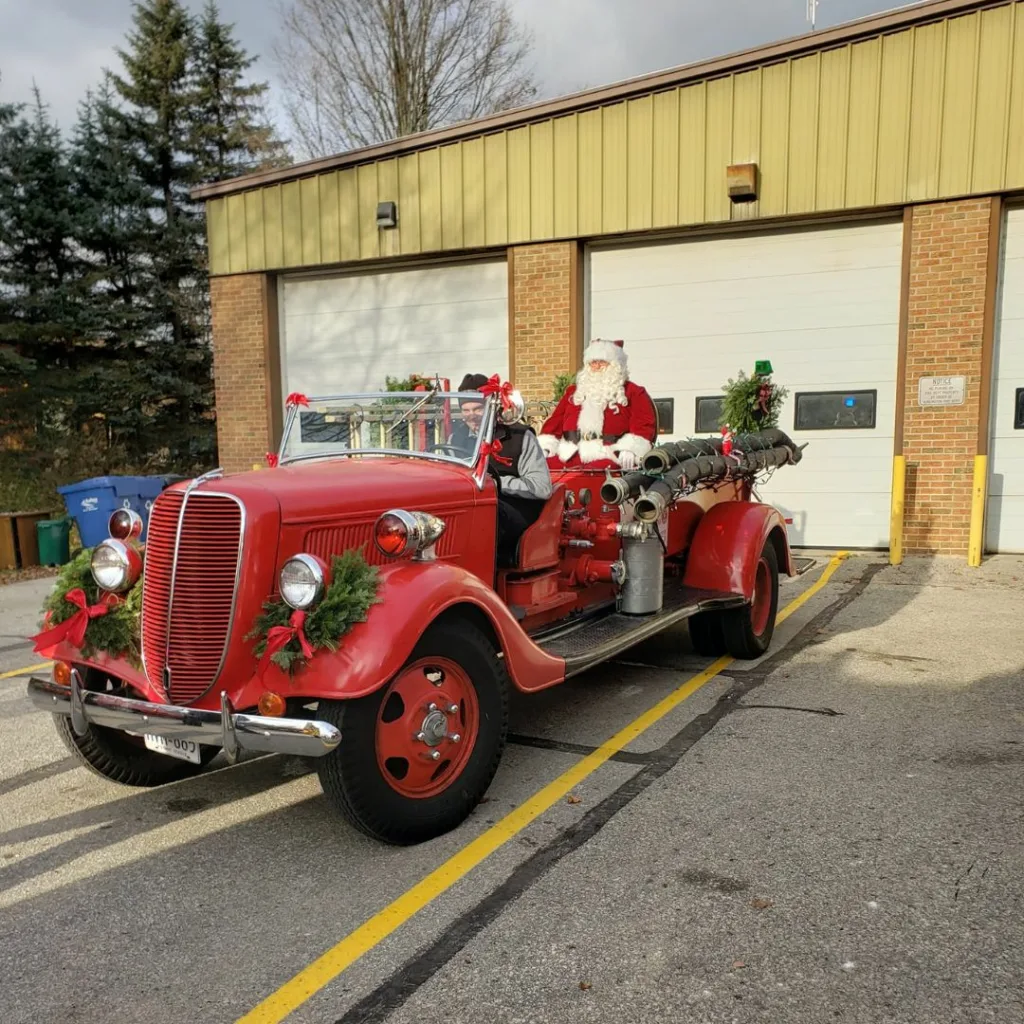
627 460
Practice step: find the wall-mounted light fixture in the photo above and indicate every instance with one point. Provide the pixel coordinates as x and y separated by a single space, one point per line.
741 181
387 215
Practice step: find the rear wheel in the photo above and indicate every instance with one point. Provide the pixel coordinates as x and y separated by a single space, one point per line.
706 634
418 755
748 630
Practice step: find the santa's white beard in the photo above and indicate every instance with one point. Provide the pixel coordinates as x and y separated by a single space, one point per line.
597 392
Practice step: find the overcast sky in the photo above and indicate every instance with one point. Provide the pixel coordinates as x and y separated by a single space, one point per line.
64 44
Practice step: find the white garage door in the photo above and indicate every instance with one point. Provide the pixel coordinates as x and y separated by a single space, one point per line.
347 333
822 305
1005 531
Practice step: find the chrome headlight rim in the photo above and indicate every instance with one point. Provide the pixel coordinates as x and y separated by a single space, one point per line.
126 560
318 573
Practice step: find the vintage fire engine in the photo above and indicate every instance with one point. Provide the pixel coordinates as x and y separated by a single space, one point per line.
405 715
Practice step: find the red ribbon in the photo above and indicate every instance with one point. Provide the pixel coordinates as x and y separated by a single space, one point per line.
73 629
271 458
494 386
764 396
726 441
279 637
296 398
490 449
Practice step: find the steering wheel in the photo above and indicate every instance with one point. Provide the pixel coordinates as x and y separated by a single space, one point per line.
451 448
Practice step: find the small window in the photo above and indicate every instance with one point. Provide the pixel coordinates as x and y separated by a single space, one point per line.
666 408
321 428
835 410
709 414
1018 415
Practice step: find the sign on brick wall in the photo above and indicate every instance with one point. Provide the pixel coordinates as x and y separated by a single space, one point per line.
941 391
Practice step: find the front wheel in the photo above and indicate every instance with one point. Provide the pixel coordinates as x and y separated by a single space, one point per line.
748 631
418 755
122 758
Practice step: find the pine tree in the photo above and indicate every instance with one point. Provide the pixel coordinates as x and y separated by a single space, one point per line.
41 286
232 133
155 124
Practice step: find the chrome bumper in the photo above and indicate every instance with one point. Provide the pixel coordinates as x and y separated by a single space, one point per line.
226 729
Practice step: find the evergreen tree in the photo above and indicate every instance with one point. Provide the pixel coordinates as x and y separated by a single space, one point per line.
155 125
42 331
232 133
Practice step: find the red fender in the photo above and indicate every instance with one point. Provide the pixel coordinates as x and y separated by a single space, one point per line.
725 549
412 594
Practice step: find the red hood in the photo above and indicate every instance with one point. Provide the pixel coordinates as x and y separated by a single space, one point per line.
353 486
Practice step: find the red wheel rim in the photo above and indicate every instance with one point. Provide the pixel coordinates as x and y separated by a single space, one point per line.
761 606
427 727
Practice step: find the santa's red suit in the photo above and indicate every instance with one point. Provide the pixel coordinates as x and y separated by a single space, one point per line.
601 416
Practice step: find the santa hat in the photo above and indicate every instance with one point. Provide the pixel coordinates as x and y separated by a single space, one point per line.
609 351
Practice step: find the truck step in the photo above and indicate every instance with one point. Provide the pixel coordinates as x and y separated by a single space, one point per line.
587 643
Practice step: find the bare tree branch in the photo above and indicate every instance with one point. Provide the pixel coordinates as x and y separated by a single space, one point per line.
358 72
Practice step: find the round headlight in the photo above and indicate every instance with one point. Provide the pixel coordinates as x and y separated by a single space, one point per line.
302 581
115 566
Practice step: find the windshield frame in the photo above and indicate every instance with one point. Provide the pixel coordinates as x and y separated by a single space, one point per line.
486 429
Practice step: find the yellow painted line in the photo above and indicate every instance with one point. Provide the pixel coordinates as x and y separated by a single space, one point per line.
26 671
290 996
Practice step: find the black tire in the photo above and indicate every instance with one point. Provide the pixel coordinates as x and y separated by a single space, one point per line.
706 634
122 758
352 779
738 623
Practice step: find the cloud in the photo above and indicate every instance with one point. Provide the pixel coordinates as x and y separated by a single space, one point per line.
64 44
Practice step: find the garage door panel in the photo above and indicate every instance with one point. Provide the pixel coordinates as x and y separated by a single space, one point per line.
1005 526
348 333
822 305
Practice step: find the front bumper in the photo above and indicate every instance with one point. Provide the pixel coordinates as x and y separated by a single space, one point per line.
225 728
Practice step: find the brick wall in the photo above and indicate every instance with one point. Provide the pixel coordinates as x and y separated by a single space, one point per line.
946 311
544 316
239 308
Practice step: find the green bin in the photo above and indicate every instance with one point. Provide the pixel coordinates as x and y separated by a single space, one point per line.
54 541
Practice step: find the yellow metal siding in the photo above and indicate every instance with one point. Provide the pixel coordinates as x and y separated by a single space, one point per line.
915 115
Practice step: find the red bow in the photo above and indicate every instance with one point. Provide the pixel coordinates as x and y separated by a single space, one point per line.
73 629
271 459
296 398
279 637
495 387
726 441
489 449
764 396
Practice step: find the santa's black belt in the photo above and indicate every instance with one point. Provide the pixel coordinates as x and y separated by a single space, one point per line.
575 437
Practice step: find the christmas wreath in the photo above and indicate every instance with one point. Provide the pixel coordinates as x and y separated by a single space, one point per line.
289 637
89 618
752 403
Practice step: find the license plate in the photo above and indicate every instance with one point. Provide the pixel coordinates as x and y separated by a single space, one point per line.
184 750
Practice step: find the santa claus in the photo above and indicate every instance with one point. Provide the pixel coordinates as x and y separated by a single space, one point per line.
604 419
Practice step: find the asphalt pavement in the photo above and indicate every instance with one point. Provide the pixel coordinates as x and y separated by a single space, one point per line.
832 833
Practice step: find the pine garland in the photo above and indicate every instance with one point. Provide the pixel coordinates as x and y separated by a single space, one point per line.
348 599
751 403
118 632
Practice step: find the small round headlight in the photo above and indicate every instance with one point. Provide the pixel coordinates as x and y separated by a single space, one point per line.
115 566
125 523
302 581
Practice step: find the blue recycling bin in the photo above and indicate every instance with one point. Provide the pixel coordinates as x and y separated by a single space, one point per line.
91 502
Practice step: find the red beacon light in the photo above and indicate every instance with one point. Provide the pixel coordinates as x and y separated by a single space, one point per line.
125 524
398 532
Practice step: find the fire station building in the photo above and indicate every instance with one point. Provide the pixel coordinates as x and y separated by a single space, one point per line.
843 204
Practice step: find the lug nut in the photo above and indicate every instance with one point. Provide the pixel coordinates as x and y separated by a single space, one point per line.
454 737
453 709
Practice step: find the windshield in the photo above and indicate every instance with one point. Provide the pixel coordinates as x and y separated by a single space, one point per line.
441 425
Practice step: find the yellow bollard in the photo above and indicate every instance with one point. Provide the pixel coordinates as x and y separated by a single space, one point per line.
899 487
979 492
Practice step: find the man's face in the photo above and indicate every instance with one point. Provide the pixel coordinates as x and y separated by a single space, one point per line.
472 415
597 365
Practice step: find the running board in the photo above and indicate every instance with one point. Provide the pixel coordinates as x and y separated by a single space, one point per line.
592 642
